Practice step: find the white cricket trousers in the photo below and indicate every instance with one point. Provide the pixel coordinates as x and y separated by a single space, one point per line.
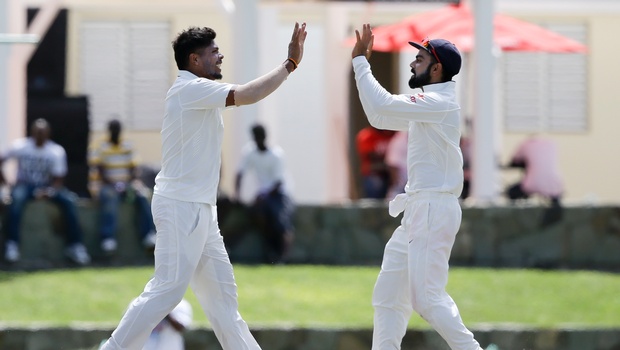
414 273
189 251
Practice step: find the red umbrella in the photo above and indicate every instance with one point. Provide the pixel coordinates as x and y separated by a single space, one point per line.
456 24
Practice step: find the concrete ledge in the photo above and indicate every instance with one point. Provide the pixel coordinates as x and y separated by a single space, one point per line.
507 338
356 233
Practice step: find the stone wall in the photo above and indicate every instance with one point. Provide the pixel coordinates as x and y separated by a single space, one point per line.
356 233
506 338
515 236
500 236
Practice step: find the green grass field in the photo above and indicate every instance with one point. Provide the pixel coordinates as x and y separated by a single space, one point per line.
320 296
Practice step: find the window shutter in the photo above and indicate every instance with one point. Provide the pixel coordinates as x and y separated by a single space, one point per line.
150 50
103 65
545 91
523 95
568 84
125 72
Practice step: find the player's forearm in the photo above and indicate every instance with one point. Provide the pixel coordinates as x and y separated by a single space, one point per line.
260 88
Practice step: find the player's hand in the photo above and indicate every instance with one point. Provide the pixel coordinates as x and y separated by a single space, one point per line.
296 46
363 45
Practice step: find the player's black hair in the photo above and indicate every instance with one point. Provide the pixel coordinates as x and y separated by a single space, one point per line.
191 41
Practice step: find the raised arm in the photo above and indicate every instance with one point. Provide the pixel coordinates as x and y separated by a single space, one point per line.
262 87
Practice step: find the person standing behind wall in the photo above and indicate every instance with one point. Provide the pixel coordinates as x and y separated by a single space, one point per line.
41 168
114 180
272 205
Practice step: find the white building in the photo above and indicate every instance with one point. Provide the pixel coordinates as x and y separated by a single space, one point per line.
119 55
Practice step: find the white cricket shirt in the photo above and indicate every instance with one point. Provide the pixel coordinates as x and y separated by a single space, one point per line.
192 133
37 165
432 118
267 165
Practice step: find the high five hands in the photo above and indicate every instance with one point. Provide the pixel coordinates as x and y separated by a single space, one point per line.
296 46
363 46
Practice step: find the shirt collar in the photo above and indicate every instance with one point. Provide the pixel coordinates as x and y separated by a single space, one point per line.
187 74
448 85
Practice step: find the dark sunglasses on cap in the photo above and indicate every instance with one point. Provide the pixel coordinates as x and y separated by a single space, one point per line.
427 44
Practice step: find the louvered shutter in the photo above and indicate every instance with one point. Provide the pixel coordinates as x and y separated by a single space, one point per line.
124 71
544 91
103 66
148 74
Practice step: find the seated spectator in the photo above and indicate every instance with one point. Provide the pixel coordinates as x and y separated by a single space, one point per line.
539 159
41 168
272 205
168 334
113 179
372 145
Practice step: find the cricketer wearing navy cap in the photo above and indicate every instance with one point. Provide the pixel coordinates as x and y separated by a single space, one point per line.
415 267
445 53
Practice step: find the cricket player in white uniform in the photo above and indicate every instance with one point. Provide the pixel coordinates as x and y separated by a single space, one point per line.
414 272
189 248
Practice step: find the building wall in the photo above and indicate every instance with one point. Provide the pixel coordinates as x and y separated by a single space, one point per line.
309 117
587 160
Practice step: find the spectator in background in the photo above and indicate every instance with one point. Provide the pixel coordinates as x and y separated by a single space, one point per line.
41 168
372 146
538 157
396 160
465 144
272 205
113 179
168 334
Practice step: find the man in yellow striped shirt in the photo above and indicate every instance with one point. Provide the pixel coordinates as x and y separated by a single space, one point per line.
113 178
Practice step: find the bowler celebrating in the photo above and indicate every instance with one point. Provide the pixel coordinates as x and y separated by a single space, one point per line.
189 249
414 272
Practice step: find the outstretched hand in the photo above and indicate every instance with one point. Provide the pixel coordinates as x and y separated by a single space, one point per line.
363 45
296 46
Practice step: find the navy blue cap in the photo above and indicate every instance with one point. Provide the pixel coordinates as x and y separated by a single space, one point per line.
445 51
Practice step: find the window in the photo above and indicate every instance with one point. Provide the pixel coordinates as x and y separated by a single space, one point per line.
124 70
546 92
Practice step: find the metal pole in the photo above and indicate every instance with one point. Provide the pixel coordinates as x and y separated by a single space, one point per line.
4 73
484 167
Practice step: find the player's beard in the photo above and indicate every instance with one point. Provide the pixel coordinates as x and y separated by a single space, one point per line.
419 80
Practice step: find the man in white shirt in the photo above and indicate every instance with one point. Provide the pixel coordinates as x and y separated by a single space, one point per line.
41 168
272 206
189 249
414 272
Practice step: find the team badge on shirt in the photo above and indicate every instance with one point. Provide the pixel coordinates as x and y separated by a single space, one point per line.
414 100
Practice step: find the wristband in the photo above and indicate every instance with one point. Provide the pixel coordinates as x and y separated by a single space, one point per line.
293 62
